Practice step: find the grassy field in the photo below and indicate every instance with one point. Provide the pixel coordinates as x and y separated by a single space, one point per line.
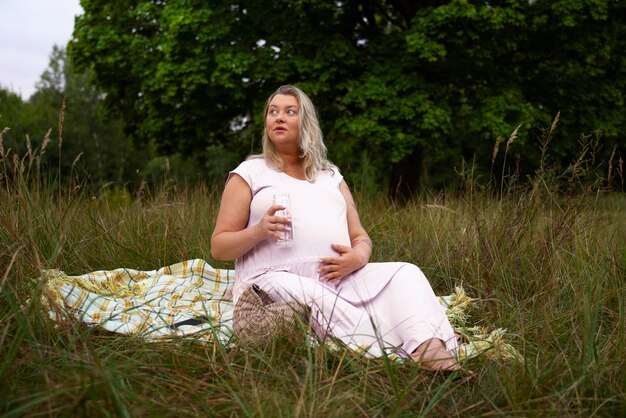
549 267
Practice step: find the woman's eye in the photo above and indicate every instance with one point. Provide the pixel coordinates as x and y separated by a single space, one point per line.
291 112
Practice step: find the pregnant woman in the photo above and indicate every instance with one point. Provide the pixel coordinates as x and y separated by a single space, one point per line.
388 305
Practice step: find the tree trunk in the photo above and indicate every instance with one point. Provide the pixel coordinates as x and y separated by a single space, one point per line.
406 175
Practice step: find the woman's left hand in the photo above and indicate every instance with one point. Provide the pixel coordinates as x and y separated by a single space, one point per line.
349 260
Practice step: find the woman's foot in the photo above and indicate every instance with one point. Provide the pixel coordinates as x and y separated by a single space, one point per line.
432 355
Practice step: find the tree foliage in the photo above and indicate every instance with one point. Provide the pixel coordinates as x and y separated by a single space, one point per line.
84 143
406 88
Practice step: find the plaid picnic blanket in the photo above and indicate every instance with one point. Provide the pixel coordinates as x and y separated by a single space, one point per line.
193 299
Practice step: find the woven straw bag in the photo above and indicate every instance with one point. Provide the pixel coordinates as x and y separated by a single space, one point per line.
257 318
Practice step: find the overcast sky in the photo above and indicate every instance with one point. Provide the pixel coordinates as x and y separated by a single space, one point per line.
28 30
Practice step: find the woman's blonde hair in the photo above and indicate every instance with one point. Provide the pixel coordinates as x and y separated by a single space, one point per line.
311 139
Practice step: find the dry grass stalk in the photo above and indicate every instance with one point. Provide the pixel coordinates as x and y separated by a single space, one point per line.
61 118
545 141
74 173
620 171
76 159
3 157
46 141
18 167
512 138
609 175
577 168
496 148
29 153
4 131
42 151
555 122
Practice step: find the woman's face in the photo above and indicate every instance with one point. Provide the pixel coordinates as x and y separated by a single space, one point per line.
281 122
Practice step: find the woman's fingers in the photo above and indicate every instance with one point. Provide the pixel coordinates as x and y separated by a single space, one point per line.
332 276
325 261
331 272
272 209
271 224
276 219
336 268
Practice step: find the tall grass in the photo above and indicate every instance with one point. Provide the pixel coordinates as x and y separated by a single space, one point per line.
545 262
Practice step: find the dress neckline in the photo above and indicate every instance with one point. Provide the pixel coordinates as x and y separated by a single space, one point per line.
292 177
281 172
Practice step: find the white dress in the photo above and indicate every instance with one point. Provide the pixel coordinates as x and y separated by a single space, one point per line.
390 306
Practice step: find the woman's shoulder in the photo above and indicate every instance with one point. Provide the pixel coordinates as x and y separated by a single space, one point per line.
253 163
331 173
256 172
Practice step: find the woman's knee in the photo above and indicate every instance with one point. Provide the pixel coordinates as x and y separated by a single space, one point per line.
410 272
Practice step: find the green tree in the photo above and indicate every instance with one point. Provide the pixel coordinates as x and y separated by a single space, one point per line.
11 111
86 144
406 88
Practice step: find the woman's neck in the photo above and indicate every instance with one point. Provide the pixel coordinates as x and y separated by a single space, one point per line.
293 166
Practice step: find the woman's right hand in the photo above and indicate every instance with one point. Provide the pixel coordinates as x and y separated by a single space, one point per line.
271 224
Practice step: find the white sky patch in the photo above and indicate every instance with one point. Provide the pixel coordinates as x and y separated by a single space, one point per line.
28 31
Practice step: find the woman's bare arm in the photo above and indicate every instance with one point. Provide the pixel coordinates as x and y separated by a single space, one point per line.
232 237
